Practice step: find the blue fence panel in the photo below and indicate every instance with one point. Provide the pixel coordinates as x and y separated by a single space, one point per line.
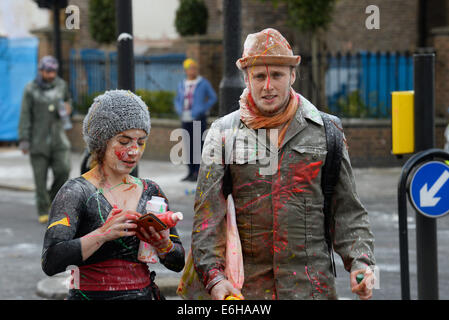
18 66
113 71
159 72
94 65
371 76
382 101
4 89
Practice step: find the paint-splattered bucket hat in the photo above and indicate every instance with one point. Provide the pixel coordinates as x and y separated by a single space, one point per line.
267 47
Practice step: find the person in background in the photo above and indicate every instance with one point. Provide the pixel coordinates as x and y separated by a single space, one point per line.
45 107
194 97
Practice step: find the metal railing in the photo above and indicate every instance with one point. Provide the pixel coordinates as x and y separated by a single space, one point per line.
93 71
360 85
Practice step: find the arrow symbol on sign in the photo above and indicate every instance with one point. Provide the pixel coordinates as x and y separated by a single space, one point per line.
427 197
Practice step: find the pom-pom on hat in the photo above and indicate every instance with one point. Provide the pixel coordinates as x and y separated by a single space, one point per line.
113 112
267 47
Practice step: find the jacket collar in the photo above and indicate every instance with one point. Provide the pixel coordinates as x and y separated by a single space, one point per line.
305 111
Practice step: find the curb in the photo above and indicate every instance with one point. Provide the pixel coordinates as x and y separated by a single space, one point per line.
55 287
16 188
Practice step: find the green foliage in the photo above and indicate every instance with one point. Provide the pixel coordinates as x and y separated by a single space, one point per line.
307 15
85 101
102 25
352 106
160 103
191 17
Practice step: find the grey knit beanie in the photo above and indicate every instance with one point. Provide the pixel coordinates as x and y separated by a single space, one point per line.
113 112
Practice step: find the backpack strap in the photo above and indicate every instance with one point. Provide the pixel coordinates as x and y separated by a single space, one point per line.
229 121
330 173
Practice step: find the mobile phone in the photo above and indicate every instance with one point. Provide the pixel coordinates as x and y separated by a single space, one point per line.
151 220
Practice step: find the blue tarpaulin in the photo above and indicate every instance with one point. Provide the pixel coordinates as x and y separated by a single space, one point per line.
18 66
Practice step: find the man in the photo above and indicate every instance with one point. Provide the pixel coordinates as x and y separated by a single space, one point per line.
280 214
194 98
44 114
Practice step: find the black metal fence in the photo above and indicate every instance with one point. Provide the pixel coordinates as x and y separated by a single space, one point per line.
348 85
356 85
92 71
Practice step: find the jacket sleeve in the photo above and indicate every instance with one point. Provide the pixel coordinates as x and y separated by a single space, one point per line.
178 99
67 97
352 236
25 115
209 222
211 96
61 246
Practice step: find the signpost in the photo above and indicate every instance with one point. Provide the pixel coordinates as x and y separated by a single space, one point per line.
428 189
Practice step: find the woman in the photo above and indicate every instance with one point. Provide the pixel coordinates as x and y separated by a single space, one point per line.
92 219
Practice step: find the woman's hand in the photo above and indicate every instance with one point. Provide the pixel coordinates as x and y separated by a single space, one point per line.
119 224
160 240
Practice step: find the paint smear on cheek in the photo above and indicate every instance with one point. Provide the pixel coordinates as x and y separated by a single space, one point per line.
121 154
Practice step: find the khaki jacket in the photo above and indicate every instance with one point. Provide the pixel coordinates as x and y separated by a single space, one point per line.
40 123
280 216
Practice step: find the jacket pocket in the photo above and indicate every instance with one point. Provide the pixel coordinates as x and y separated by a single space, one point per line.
311 153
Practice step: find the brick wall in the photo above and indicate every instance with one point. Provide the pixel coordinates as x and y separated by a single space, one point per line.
398 26
369 141
83 38
441 45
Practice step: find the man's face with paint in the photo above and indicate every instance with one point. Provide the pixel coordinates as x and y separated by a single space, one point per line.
124 150
270 87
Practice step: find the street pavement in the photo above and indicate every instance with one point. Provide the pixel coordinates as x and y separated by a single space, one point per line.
21 276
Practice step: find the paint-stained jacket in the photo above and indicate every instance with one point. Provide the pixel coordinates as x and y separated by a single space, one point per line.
40 123
280 217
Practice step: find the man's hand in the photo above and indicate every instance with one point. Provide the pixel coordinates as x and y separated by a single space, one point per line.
363 289
68 108
24 146
223 289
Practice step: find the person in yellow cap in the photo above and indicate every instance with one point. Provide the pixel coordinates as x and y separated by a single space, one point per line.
281 214
194 97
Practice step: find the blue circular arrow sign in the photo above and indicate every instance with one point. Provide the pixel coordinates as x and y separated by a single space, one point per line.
429 189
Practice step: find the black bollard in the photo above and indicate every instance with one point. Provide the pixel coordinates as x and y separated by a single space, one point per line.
426 228
125 49
231 85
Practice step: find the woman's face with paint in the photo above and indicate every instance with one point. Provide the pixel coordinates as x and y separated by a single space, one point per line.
124 150
270 87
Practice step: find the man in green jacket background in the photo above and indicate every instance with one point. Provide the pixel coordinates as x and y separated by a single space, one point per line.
43 120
